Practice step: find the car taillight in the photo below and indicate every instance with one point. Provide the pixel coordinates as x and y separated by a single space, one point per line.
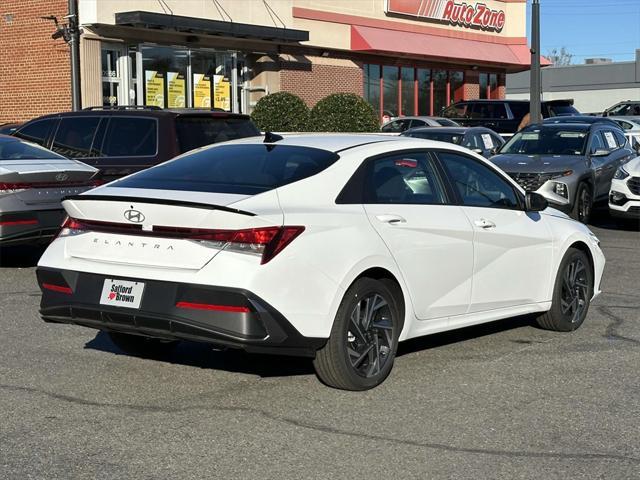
266 242
13 187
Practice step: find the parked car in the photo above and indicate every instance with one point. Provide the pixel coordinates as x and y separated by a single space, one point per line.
580 119
405 123
624 196
33 181
332 246
480 140
122 140
631 127
502 116
570 164
626 108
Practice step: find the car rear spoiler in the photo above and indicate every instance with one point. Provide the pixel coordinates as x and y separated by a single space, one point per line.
157 201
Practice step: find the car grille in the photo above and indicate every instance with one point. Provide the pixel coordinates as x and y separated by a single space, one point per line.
634 210
533 181
634 185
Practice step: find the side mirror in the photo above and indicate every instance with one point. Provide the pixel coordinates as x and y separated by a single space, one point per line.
600 153
534 202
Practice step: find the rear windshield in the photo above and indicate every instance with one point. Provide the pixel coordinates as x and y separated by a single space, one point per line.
547 141
242 169
195 132
12 149
557 110
439 136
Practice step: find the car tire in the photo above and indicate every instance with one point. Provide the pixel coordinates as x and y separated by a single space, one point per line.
583 204
362 346
140 346
572 294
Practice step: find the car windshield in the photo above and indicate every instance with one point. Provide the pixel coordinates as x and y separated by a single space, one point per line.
547 141
439 136
241 169
198 131
12 149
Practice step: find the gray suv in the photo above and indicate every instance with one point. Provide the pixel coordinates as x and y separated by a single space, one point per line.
571 164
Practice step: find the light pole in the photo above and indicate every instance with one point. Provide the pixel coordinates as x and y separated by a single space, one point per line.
74 45
535 87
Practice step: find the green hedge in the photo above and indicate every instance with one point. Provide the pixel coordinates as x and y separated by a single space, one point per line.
343 112
281 112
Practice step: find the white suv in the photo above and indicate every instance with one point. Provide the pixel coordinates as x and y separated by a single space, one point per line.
624 196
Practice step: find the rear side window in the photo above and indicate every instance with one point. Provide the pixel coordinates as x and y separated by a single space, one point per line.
130 137
489 110
408 178
75 136
519 110
458 110
241 169
195 132
36 132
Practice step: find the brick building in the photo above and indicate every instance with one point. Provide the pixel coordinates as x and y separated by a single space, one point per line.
404 56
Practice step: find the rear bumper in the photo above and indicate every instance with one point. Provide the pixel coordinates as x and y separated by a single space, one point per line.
37 226
260 328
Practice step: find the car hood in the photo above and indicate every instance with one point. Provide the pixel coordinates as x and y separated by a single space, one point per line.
521 163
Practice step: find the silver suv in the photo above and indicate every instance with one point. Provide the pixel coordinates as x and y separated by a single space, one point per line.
571 164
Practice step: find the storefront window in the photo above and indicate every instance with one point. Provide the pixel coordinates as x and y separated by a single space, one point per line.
110 77
484 85
390 91
424 91
408 90
493 85
165 73
439 91
372 86
456 86
222 81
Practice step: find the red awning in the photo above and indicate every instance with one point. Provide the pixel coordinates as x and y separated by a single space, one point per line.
514 57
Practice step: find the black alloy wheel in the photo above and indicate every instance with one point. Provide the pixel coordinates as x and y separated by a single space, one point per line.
360 351
575 290
370 337
572 293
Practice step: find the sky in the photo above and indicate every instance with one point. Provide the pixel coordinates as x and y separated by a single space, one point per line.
589 28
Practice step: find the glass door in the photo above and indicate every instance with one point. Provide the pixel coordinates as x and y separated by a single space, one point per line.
115 76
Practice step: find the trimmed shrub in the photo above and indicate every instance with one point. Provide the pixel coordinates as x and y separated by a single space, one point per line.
343 112
281 112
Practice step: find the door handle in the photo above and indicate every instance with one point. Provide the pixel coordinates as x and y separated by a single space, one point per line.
484 223
391 219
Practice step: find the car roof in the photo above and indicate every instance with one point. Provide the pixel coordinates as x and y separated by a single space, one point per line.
460 130
145 112
333 142
572 126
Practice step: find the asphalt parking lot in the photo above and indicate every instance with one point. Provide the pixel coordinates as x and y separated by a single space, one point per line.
504 400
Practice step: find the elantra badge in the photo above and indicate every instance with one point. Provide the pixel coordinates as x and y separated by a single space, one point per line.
134 216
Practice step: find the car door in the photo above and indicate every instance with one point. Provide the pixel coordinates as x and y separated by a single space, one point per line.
429 238
512 248
600 153
610 163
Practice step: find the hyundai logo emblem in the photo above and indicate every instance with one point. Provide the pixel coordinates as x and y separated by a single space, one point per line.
134 216
61 177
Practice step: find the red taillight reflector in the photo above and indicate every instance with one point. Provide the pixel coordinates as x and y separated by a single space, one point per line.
57 288
10 223
209 306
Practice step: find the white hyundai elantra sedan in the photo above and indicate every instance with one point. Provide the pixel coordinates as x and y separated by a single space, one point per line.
335 247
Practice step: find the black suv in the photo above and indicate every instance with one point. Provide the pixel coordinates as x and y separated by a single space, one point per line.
123 140
502 116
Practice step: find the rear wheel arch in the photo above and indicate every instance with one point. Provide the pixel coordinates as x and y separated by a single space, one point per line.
390 280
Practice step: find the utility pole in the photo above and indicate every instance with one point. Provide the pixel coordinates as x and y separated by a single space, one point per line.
74 45
535 107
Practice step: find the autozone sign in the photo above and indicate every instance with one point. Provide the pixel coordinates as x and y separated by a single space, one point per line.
469 15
